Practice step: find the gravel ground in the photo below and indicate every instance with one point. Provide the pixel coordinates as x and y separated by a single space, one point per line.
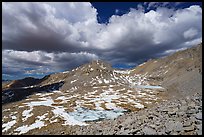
176 117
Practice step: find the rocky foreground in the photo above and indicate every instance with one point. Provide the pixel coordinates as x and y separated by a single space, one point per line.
175 117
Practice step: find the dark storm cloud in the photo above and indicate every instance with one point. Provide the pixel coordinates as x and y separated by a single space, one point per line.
68 61
32 26
49 42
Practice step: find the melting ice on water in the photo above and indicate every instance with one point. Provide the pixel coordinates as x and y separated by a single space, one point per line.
148 86
83 114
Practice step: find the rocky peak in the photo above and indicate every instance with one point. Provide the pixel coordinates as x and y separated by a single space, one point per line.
95 66
99 64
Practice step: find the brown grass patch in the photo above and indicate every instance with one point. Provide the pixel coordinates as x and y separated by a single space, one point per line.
90 106
128 107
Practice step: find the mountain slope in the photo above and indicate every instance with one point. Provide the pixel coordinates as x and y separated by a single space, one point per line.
175 64
96 91
179 72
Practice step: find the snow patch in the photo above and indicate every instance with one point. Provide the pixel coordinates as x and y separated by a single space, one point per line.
102 67
106 81
138 105
25 128
100 81
26 114
47 102
9 124
73 81
65 72
142 64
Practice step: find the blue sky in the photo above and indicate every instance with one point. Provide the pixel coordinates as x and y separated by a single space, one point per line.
106 11
43 38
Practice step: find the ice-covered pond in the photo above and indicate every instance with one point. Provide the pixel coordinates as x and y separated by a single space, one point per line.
148 86
85 115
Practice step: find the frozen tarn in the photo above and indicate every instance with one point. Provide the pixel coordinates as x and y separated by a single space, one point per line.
59 111
148 86
83 114
9 124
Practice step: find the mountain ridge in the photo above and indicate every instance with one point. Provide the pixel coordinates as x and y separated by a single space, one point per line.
95 91
136 69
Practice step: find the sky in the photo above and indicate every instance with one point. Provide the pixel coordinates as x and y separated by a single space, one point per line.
42 38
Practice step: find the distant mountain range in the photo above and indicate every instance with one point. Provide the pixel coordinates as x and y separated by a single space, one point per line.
5 80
